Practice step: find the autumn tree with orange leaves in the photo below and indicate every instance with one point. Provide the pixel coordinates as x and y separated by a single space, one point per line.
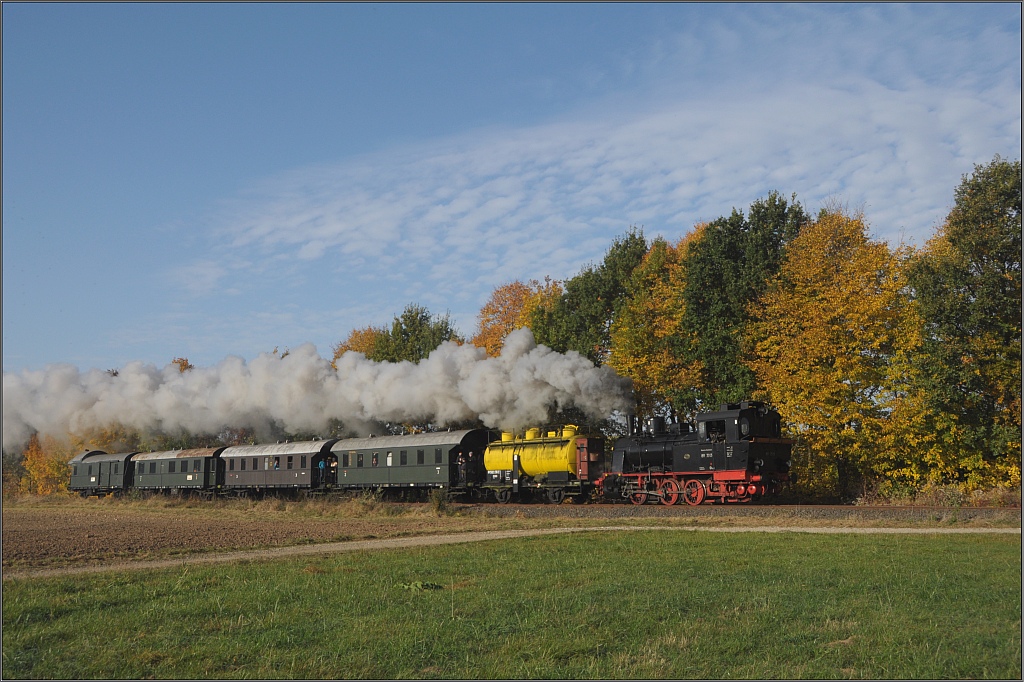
510 307
499 316
362 340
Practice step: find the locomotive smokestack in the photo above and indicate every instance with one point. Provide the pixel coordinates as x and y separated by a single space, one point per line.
657 426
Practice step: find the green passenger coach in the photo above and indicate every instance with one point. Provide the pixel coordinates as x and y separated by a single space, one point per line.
446 459
178 470
97 473
307 465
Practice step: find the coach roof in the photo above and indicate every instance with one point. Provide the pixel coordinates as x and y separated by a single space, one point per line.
100 456
416 440
306 447
178 454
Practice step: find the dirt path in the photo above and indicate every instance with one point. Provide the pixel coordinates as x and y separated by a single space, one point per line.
447 539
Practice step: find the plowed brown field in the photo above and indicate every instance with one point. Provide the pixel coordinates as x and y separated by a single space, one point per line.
43 536
72 532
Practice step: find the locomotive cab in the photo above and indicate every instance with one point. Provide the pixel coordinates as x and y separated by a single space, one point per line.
744 421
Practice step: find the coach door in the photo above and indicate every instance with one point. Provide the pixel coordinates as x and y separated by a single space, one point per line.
582 460
325 471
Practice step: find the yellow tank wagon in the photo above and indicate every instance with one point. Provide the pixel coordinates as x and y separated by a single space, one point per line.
554 463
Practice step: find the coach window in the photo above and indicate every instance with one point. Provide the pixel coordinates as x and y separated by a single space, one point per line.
302 462
152 467
389 460
90 470
344 460
359 460
74 470
437 455
197 465
170 468
277 463
291 461
117 467
374 460
403 458
255 463
242 466
231 465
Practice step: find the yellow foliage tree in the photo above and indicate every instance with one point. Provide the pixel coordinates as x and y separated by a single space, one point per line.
114 438
359 340
183 364
822 342
647 336
544 295
46 466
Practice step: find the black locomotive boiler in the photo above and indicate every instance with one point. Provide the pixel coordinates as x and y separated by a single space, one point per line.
733 455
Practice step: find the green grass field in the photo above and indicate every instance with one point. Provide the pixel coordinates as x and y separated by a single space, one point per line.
652 605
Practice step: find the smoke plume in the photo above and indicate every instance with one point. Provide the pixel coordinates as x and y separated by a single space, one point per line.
301 392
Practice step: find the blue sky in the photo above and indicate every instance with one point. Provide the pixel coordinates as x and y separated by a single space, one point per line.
209 180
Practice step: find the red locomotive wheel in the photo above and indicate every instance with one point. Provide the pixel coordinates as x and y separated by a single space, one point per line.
639 497
669 491
694 492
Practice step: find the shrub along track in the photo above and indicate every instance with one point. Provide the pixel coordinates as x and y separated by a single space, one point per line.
91 536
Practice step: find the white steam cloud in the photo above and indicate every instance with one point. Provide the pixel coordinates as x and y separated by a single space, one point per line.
302 392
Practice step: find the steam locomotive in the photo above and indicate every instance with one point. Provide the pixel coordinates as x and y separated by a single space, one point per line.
733 455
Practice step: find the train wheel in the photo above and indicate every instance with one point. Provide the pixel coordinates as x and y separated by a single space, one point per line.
503 495
669 491
693 492
556 495
639 497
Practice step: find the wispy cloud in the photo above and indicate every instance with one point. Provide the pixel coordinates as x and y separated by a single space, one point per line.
524 203
861 118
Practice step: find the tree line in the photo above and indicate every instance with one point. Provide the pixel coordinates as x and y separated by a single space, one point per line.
896 369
